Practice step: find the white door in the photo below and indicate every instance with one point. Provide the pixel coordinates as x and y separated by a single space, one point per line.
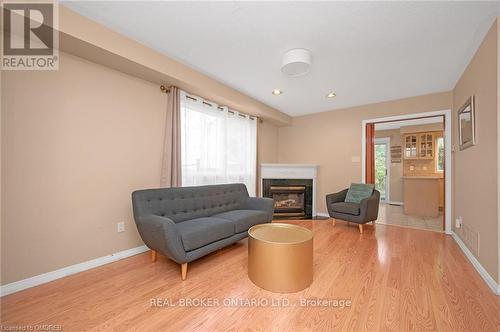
383 167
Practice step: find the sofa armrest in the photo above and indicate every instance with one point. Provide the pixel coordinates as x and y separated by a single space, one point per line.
261 204
335 198
369 207
160 233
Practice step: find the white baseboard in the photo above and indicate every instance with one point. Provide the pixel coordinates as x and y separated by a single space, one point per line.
479 268
69 270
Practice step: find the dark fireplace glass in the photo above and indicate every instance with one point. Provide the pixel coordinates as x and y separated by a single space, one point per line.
288 201
292 197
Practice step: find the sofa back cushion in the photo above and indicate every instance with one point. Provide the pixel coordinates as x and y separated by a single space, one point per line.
187 203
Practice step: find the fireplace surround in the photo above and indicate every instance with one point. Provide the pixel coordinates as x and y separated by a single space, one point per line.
292 187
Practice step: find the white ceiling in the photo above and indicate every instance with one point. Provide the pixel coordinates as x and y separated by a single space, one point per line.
412 122
364 51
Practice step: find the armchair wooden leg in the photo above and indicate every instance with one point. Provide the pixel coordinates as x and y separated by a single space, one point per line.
360 228
184 270
153 255
334 221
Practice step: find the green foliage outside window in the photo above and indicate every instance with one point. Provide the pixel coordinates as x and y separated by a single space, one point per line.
440 154
380 168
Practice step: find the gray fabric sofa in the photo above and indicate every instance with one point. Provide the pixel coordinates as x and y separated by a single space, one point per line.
360 214
187 223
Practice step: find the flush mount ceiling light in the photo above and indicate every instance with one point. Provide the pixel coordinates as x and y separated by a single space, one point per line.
277 92
296 62
331 95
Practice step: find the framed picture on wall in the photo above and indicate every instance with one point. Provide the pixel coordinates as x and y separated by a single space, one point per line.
466 124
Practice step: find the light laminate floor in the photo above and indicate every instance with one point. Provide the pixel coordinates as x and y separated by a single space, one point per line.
397 279
394 215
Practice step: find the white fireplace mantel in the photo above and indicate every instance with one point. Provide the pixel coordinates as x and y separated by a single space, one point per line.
291 171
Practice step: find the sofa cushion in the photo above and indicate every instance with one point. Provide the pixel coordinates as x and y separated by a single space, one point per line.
358 192
244 219
347 208
199 232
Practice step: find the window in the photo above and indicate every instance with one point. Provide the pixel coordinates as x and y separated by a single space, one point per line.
440 154
218 145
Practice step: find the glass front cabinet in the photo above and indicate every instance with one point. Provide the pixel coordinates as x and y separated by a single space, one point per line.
410 146
426 146
419 146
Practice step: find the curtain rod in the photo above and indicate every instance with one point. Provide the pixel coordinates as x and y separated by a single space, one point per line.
164 89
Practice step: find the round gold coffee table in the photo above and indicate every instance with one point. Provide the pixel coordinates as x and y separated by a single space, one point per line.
280 257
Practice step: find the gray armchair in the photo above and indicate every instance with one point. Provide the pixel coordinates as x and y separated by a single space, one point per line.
366 211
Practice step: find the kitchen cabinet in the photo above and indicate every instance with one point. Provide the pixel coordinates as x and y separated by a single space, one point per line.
421 195
418 146
426 146
410 146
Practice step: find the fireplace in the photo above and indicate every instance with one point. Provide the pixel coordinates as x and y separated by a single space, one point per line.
289 200
293 198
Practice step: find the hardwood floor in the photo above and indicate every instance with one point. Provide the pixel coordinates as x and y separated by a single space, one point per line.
396 278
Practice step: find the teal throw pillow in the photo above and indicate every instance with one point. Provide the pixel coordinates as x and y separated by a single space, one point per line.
358 192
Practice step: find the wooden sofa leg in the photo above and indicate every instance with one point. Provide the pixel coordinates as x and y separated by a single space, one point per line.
153 255
334 221
184 270
360 228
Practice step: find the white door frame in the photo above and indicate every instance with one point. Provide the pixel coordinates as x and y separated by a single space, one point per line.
447 153
387 142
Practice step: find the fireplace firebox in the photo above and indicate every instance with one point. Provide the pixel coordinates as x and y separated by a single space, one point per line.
292 197
289 200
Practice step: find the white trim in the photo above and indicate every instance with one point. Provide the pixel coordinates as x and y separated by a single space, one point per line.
479 268
322 214
387 142
289 165
448 165
67 271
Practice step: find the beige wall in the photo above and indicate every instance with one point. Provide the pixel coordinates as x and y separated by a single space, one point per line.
332 139
396 169
75 144
267 142
267 146
475 169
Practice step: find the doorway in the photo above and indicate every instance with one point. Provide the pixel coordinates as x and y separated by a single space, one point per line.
428 147
382 167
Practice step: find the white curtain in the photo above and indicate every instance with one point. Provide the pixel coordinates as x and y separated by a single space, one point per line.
218 145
